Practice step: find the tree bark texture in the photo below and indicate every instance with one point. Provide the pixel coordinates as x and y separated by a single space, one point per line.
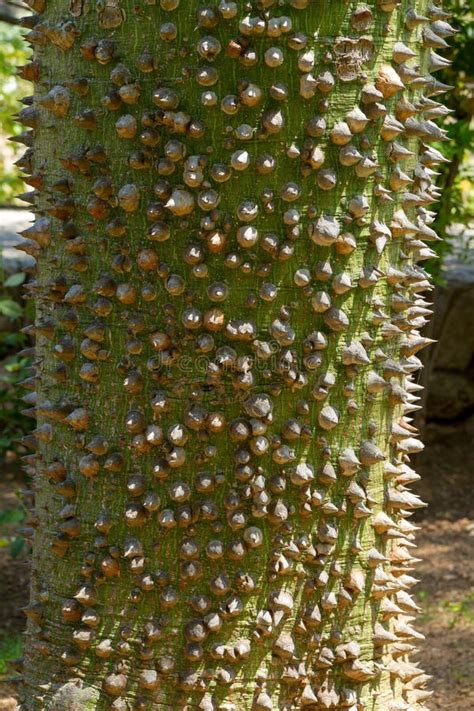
232 200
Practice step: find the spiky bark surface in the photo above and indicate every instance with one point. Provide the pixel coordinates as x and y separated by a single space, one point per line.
232 201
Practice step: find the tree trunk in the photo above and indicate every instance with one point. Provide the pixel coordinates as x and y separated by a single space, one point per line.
231 202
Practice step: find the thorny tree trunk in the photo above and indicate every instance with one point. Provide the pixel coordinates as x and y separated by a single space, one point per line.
231 204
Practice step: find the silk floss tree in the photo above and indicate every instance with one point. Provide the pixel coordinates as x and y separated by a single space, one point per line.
232 203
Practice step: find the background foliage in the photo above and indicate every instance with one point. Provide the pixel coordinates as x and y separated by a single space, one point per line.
456 179
13 53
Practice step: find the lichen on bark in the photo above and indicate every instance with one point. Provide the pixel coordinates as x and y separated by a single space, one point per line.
232 203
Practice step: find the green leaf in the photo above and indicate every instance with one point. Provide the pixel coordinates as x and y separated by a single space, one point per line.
16 365
10 308
8 516
16 546
15 279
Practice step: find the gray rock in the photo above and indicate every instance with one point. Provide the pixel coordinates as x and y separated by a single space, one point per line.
449 364
453 325
11 221
450 395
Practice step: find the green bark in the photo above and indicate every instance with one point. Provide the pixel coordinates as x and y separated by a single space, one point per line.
231 205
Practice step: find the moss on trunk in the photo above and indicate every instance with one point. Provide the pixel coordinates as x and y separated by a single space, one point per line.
232 201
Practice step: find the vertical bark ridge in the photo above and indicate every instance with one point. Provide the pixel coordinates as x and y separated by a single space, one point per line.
232 201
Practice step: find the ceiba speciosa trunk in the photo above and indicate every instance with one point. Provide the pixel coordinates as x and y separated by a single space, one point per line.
232 202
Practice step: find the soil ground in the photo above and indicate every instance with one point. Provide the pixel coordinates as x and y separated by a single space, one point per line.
446 571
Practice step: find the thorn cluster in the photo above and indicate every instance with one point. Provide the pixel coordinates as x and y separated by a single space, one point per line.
232 203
